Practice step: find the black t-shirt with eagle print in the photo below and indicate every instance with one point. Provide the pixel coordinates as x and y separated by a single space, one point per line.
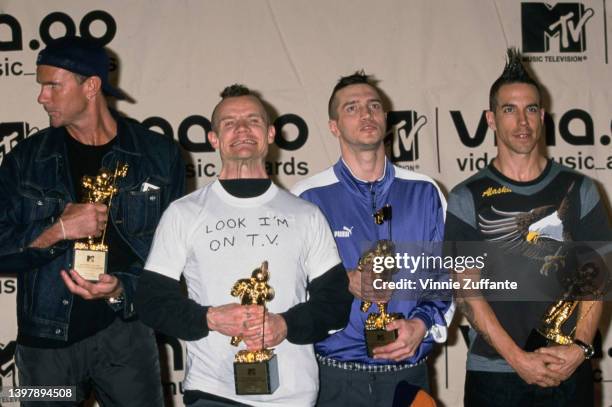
526 226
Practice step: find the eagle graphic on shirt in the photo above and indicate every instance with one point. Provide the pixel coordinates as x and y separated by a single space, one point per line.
538 234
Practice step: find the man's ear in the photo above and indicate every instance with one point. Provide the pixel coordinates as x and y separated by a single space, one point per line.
213 139
271 134
333 127
491 120
93 86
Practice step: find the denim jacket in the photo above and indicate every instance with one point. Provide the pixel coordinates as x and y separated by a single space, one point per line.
35 186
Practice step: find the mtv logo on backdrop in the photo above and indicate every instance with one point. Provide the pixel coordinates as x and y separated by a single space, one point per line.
12 133
171 382
403 134
566 22
7 364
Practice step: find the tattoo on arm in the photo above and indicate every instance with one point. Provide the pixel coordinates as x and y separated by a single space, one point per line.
467 310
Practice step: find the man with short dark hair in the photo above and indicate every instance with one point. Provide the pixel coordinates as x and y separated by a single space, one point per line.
216 236
524 204
75 332
350 194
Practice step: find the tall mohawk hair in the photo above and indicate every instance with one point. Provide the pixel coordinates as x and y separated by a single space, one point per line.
514 72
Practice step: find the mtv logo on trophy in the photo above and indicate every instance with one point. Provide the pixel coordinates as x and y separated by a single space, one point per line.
91 254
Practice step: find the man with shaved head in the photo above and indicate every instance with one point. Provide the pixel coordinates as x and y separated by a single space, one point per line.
218 235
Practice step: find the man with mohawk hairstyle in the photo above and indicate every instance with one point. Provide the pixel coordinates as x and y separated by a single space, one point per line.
525 203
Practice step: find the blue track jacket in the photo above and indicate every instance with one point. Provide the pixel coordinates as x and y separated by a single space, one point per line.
418 216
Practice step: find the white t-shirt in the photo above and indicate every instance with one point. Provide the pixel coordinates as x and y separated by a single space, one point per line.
214 239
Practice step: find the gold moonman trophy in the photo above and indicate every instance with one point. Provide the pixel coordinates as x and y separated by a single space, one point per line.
376 323
255 372
583 282
91 254
550 331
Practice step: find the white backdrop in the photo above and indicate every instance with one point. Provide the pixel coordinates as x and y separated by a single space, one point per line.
435 61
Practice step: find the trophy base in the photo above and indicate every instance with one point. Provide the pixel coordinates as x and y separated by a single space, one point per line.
378 337
90 263
538 340
535 341
256 378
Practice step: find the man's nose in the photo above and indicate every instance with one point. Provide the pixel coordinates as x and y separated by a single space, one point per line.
42 96
522 116
365 111
242 124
